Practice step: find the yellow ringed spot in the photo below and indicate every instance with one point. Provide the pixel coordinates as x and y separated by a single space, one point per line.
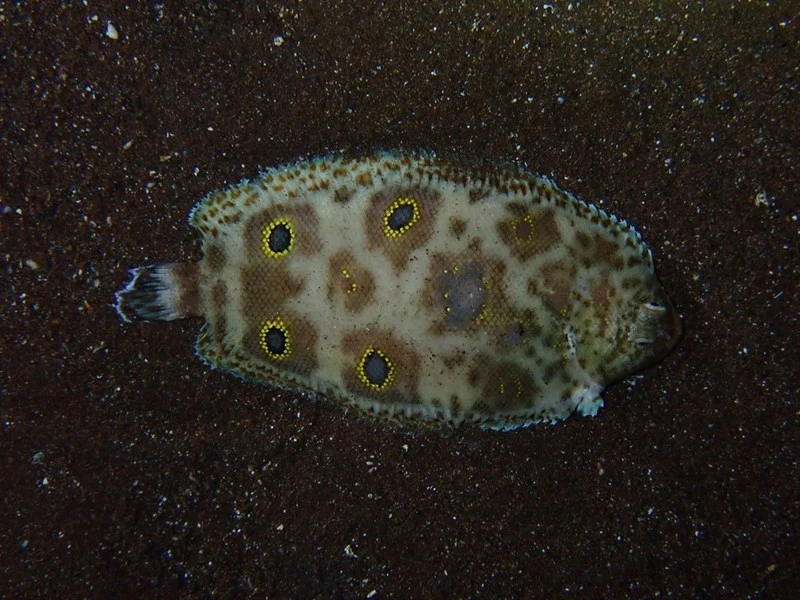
524 228
274 339
375 369
400 216
277 238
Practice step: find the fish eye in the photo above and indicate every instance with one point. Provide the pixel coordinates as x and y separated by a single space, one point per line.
655 306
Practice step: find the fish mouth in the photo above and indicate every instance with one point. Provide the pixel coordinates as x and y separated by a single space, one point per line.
657 329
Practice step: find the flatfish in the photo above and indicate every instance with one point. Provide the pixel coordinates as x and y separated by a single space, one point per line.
416 290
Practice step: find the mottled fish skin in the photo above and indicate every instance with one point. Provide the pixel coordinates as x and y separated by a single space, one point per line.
417 290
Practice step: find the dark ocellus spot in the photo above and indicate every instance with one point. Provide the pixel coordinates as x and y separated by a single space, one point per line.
275 340
376 368
401 217
280 238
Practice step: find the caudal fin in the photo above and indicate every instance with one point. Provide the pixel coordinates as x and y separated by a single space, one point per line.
160 293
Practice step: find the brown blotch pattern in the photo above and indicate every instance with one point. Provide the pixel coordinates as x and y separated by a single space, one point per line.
457 227
630 283
583 240
188 276
477 195
215 257
505 385
528 231
267 288
400 247
601 303
602 250
349 282
451 361
404 360
518 331
554 285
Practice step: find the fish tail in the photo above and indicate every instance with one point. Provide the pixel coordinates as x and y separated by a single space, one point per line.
162 292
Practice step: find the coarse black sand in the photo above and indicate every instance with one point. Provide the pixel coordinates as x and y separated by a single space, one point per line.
130 469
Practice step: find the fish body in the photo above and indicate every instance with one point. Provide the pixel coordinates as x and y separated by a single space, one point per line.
416 290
